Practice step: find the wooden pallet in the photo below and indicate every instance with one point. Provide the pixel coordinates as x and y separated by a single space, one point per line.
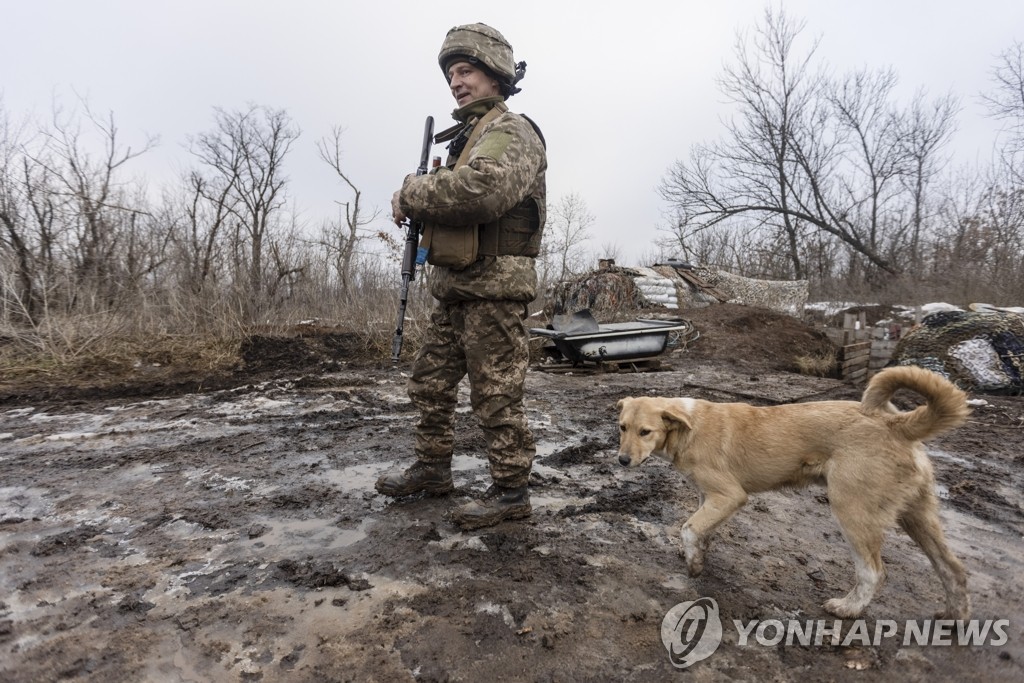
626 365
701 284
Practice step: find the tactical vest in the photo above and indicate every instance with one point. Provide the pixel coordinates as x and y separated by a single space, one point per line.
516 233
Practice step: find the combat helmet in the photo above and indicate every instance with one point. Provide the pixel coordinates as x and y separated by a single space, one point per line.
484 46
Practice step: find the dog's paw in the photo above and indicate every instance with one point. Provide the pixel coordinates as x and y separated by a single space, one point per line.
694 564
693 551
841 608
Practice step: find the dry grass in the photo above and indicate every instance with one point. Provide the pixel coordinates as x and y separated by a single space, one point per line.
188 341
817 365
372 316
117 359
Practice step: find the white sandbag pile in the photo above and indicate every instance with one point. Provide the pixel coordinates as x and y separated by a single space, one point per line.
656 288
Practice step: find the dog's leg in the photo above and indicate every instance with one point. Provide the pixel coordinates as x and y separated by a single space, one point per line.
677 529
863 524
870 575
921 522
715 508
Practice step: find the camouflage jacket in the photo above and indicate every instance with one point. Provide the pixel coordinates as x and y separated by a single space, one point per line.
505 167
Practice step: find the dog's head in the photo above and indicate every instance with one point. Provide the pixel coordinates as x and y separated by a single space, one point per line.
648 424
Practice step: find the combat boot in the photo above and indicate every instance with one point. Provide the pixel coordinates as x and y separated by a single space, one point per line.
496 505
432 478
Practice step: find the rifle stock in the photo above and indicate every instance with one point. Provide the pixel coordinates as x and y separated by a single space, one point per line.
412 241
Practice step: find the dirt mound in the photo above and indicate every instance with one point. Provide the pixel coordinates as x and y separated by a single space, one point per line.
313 349
172 371
755 336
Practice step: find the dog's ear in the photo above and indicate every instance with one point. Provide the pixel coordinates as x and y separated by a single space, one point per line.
675 417
623 401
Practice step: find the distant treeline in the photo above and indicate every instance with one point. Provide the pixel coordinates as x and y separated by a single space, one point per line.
823 175
818 175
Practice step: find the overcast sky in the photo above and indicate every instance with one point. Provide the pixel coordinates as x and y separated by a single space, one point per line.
621 89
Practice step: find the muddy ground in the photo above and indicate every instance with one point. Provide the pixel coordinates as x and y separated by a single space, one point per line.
226 529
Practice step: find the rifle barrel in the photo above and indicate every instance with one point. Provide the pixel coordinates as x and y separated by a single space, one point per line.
411 244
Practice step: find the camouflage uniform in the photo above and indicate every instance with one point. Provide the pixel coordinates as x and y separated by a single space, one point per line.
478 323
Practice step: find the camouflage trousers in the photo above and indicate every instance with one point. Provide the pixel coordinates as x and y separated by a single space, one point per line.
487 340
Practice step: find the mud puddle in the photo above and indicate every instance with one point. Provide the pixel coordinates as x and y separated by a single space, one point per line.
236 536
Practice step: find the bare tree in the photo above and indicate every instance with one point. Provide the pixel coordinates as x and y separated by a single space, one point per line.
246 152
808 159
1006 103
979 243
746 181
568 226
923 133
287 260
207 207
342 240
74 230
861 102
20 296
773 87
988 236
104 217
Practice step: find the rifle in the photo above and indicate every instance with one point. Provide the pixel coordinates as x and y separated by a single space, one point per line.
412 240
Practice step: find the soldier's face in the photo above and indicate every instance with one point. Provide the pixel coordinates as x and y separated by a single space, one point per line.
469 83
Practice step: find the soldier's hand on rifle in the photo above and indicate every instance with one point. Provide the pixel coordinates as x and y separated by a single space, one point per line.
396 210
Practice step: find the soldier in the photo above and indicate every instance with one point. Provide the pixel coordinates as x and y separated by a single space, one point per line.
483 215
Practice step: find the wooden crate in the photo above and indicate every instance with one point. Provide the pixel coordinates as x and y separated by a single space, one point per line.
853 361
863 351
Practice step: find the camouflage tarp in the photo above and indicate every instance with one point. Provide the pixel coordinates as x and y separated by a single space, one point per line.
784 296
978 351
605 293
614 290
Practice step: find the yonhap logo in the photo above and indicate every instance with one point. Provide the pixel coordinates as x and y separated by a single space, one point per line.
691 631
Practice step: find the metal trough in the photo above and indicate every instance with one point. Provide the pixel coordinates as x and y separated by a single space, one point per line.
582 340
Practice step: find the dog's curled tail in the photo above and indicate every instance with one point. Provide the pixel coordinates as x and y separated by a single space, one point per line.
944 409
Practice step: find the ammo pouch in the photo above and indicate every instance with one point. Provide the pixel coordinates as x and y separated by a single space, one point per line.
451 246
517 233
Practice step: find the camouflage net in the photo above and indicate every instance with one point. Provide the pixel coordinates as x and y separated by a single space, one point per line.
617 290
605 293
784 296
982 352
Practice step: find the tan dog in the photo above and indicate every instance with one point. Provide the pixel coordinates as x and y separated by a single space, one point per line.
868 454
